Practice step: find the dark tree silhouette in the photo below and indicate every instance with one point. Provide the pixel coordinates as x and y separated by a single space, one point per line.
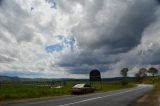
124 72
138 78
153 71
142 73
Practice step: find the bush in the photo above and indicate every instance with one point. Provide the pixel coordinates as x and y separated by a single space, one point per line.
124 82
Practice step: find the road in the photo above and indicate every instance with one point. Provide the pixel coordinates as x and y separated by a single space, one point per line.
114 98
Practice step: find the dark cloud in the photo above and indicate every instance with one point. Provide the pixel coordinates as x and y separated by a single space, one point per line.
1 2
152 58
86 61
86 57
158 1
86 69
126 34
107 47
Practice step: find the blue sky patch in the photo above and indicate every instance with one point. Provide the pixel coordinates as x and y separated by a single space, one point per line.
68 42
52 3
71 42
54 48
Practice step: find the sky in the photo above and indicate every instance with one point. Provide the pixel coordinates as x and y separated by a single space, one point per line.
69 38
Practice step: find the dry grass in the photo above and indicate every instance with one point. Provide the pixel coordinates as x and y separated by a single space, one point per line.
152 98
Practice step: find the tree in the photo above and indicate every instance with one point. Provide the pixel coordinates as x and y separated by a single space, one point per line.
138 78
124 72
153 71
141 74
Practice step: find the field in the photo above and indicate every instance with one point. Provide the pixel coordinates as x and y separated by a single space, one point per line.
21 91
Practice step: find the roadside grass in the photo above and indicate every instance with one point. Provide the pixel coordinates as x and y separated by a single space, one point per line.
20 91
111 87
152 98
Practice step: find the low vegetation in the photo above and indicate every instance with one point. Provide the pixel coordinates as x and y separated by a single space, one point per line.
20 91
146 76
113 86
152 98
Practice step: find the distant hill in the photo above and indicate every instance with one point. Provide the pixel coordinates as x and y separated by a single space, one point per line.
11 79
117 79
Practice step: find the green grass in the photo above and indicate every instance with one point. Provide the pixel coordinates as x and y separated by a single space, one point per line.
19 91
110 87
22 91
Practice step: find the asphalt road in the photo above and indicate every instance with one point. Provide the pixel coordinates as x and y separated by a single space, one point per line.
113 98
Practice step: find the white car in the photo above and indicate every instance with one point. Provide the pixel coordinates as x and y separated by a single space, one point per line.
82 89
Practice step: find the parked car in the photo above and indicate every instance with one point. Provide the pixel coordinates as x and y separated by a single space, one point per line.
82 89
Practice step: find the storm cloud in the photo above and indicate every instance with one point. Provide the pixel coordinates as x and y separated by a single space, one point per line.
59 38
125 26
104 36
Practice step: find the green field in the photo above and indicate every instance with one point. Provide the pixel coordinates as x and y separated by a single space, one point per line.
21 91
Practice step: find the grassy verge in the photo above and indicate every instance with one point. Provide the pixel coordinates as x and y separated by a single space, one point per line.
19 91
111 87
152 98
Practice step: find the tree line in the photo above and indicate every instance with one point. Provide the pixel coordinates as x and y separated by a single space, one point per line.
140 75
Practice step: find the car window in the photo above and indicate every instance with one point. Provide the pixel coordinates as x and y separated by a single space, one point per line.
87 86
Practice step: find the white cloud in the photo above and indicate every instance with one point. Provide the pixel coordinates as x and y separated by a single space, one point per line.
105 32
